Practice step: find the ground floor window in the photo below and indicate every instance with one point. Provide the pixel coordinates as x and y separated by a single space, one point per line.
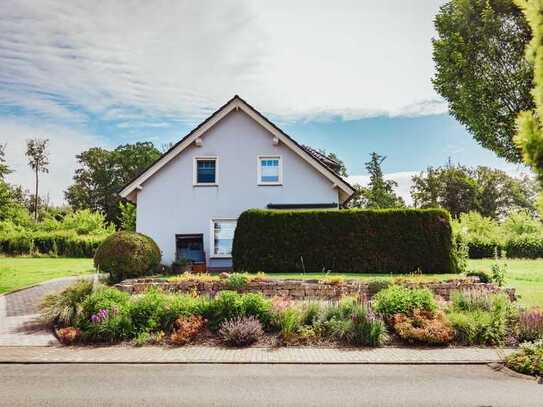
222 237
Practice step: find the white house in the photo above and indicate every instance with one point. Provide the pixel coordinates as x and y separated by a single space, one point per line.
188 201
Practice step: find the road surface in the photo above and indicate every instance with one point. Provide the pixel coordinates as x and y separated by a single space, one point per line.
263 385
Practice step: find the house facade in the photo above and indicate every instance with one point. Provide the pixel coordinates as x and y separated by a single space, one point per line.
189 200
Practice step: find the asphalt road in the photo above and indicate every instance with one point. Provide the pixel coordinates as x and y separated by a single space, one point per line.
263 385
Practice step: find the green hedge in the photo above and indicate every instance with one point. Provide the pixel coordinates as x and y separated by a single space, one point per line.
68 244
355 240
483 248
528 246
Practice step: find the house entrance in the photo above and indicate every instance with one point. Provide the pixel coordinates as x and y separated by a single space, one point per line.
190 247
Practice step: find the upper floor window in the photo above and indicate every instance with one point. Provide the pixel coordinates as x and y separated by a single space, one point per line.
270 170
205 171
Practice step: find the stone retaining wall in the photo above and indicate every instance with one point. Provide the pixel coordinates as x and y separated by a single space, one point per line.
297 289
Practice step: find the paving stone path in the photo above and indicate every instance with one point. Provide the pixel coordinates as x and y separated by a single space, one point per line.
202 354
19 325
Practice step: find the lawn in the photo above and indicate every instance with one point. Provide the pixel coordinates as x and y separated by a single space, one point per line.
524 275
20 272
17 272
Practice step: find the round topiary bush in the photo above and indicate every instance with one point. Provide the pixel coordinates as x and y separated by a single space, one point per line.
127 255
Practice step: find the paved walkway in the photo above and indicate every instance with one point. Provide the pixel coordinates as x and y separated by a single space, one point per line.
200 354
19 325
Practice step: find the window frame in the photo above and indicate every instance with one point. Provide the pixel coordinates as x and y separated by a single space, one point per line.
259 158
195 171
212 238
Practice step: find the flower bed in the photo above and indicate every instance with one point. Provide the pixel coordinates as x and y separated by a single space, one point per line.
157 314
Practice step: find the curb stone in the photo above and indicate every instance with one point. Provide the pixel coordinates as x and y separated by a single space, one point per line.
500 367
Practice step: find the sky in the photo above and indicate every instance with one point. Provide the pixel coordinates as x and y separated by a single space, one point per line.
350 77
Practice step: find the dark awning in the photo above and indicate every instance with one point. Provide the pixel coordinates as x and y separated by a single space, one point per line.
303 206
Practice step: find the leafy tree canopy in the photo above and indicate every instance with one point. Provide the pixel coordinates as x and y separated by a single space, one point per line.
460 189
102 173
481 70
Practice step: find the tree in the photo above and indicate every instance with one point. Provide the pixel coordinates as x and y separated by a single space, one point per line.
4 169
380 192
529 137
459 189
128 216
38 160
339 166
5 190
481 70
102 173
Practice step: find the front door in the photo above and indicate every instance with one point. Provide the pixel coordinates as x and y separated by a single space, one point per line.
190 247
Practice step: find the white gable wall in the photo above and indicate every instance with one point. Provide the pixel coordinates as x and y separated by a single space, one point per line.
169 204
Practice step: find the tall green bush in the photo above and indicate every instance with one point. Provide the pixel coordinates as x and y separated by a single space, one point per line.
127 255
360 241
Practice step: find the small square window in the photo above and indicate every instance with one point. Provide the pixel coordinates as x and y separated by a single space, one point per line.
269 171
205 171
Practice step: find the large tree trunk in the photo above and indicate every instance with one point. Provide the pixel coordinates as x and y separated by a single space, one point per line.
36 199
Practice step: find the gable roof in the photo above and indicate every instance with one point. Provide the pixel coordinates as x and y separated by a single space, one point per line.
321 163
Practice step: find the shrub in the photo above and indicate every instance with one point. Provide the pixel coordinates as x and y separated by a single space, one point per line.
241 331
148 311
127 255
526 246
374 286
499 272
359 327
227 305
258 306
237 281
479 248
69 335
528 360
484 277
530 324
186 329
146 338
423 327
65 307
480 318
397 299
471 300
362 241
310 312
289 322
59 243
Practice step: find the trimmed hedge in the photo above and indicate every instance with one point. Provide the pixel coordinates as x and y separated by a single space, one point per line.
528 246
56 243
483 249
354 240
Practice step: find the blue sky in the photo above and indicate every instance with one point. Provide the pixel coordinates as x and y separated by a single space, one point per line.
348 76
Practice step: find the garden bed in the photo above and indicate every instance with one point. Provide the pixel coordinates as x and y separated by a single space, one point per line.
360 314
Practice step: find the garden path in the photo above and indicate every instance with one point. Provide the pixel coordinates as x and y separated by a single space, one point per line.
19 324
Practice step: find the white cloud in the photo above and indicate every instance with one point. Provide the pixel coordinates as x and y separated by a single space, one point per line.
64 145
140 60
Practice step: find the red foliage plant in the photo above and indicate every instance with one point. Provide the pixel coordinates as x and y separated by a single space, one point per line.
186 329
424 327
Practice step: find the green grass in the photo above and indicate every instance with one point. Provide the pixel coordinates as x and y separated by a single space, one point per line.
524 275
20 272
